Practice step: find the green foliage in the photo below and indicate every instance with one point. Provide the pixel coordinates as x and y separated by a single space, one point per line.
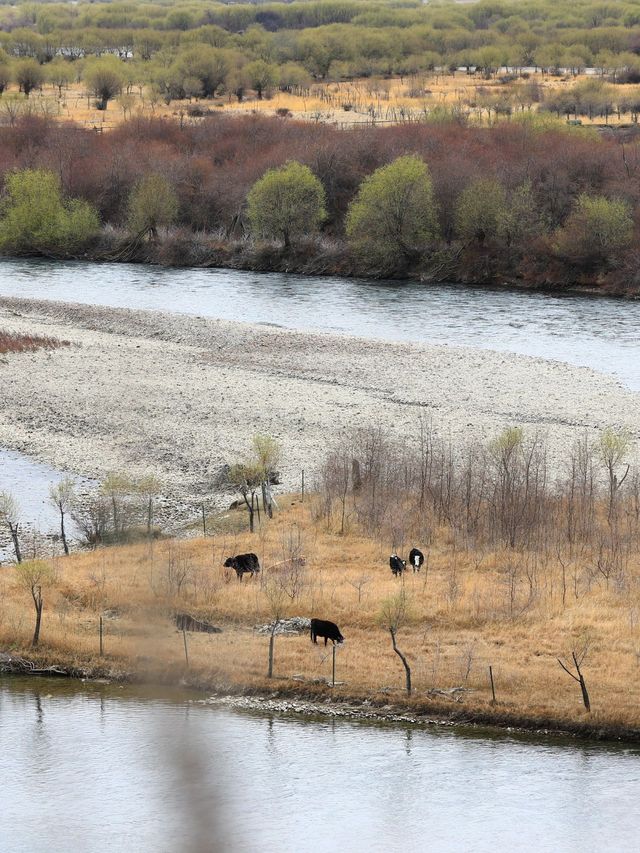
597 231
262 76
104 78
153 204
36 219
394 213
288 202
481 211
29 75
34 573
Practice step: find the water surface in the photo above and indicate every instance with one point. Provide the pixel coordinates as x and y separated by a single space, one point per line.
594 332
104 768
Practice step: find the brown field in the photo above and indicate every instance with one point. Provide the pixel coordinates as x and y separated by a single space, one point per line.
369 101
467 611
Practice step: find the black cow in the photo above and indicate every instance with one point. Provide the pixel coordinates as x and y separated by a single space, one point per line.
416 558
243 563
328 630
397 565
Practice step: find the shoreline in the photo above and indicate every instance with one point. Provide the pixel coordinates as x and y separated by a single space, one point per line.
196 390
302 261
317 701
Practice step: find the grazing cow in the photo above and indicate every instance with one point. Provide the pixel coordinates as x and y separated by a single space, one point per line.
328 630
397 565
243 563
416 558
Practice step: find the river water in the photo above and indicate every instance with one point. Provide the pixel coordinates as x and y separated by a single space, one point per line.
98 767
105 768
598 333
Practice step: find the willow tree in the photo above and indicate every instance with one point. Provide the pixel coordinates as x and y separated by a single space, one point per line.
394 214
286 203
35 218
153 204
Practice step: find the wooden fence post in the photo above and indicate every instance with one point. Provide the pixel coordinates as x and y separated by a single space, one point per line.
101 648
493 689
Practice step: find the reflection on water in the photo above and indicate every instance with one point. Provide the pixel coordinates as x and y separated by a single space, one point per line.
104 767
598 333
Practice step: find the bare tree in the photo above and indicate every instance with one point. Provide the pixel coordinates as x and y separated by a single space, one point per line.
277 600
359 584
32 576
393 615
118 487
246 478
9 512
267 452
578 659
613 450
148 487
63 496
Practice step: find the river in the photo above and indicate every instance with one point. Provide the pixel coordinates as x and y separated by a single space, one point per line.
97 767
589 331
598 333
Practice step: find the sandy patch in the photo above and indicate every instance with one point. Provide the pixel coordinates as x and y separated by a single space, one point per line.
143 390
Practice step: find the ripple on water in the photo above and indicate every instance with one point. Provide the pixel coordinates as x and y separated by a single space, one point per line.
588 331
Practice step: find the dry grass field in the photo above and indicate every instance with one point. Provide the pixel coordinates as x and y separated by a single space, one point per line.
369 101
466 611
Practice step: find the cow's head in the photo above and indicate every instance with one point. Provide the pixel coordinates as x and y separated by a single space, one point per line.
230 563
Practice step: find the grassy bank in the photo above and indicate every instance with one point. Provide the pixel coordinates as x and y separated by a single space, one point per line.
461 620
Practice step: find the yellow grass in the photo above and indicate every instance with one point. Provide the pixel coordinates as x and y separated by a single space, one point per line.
379 100
463 619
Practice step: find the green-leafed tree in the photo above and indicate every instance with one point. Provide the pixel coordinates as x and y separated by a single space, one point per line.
394 214
262 76
153 204
29 75
597 231
288 202
482 211
36 219
104 78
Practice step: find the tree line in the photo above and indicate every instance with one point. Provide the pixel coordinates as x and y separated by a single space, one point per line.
197 50
436 200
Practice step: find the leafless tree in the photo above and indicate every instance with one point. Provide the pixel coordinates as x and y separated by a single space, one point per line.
9 514
63 496
393 616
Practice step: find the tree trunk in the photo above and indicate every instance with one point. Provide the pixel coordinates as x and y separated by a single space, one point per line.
16 544
407 668
585 695
36 592
63 534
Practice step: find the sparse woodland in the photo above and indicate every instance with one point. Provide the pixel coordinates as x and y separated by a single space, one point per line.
527 570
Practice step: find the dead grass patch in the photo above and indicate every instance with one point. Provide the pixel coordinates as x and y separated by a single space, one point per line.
14 343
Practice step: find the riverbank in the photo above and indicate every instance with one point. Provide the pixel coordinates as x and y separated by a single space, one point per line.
182 396
321 256
323 701
470 611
